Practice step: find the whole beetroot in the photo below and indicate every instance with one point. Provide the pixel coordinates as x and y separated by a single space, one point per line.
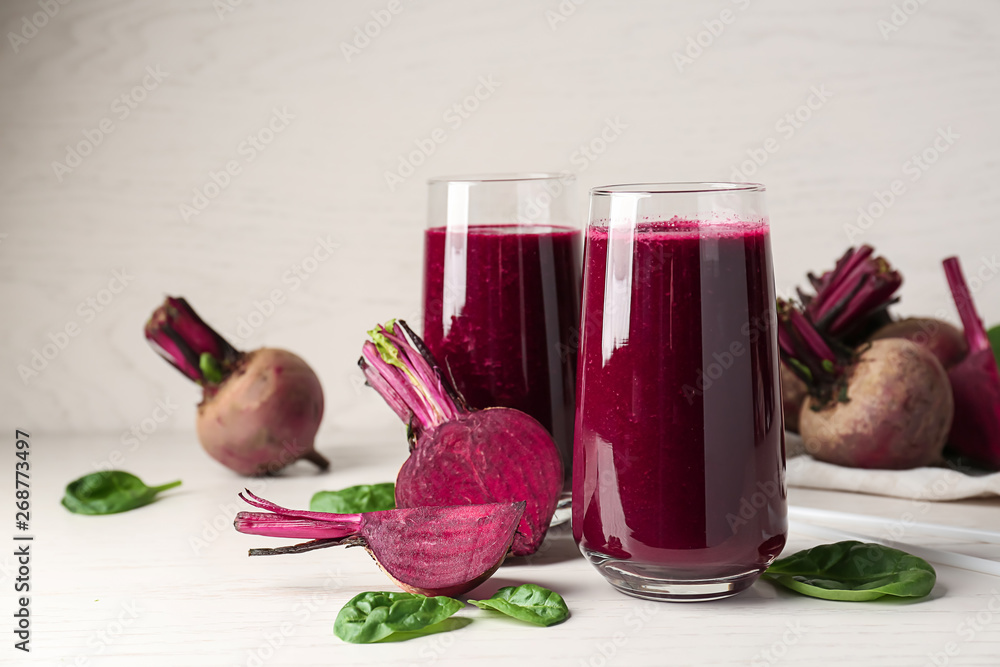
260 410
897 413
458 455
940 338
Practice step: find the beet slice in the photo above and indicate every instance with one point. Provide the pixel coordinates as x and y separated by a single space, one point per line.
975 382
425 550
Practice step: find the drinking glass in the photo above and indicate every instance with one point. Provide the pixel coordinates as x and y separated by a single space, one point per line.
678 479
502 293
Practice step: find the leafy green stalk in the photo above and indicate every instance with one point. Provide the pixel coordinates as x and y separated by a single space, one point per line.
853 571
110 492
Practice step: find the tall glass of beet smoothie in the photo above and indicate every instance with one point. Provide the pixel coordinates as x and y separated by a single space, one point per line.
678 477
502 293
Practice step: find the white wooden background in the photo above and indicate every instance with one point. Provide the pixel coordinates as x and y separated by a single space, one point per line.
559 73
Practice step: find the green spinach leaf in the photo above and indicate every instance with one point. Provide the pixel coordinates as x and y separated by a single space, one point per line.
355 499
994 336
853 571
370 617
528 602
109 492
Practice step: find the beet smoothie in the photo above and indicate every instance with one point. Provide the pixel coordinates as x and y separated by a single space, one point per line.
501 311
679 464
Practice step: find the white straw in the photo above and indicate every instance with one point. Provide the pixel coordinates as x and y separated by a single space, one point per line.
949 558
933 529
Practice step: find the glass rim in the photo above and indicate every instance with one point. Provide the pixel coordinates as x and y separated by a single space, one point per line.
676 188
503 177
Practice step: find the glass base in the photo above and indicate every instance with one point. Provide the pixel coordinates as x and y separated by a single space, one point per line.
665 584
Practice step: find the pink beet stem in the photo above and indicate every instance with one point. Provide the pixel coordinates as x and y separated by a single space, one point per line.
273 525
179 335
257 501
369 366
814 343
409 381
975 332
838 280
405 396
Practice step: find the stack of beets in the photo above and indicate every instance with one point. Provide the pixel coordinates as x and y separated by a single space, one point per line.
868 391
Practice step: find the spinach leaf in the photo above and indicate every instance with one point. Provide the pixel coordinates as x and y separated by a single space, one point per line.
853 571
994 336
369 617
528 602
355 499
109 492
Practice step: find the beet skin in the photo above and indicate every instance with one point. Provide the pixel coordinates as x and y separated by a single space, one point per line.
897 414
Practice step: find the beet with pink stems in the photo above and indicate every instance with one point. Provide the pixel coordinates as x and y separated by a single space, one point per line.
458 455
424 550
885 405
975 382
851 301
260 410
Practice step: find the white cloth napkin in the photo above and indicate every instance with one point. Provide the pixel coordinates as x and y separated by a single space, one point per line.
918 484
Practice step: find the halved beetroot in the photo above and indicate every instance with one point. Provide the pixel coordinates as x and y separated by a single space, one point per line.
425 550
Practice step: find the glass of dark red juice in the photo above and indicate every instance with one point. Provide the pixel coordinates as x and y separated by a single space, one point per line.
502 293
678 477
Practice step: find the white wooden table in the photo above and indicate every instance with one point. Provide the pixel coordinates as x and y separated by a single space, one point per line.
171 584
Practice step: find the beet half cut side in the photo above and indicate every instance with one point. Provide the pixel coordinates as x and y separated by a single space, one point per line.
425 550
459 455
